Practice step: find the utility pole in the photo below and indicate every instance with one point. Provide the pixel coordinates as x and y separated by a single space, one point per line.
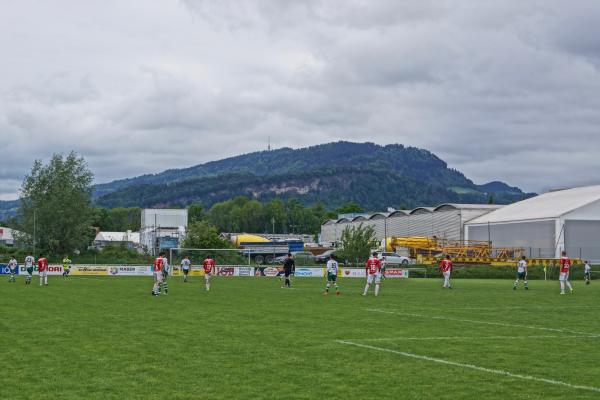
273 244
34 232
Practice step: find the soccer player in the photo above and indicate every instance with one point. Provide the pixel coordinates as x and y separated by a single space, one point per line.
373 270
165 272
289 266
332 271
13 265
29 261
587 273
209 265
446 269
66 266
43 269
158 274
521 273
565 265
185 267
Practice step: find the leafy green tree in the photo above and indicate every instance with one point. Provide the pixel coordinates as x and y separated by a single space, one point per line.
356 244
349 208
202 235
118 219
195 212
58 197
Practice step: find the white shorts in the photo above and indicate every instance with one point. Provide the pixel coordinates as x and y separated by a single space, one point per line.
564 276
158 276
44 273
376 277
446 274
207 276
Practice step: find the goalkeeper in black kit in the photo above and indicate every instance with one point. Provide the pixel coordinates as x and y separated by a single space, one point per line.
289 267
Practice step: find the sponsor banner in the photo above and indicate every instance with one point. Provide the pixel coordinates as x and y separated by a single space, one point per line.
271 271
396 273
4 270
129 270
89 270
245 271
309 272
353 273
225 271
196 270
53 269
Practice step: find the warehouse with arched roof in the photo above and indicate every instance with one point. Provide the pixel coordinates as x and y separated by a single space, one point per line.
446 221
546 224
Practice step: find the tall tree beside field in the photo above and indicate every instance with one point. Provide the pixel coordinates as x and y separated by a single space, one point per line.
356 244
195 212
202 235
58 197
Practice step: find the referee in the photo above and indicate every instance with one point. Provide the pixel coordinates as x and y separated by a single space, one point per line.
289 265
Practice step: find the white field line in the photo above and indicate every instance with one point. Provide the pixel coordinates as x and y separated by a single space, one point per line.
471 321
471 366
505 308
472 338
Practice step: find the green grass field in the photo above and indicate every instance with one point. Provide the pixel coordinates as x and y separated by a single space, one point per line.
107 338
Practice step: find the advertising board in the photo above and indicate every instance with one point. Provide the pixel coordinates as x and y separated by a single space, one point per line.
396 273
309 272
53 269
129 270
353 273
89 270
4 270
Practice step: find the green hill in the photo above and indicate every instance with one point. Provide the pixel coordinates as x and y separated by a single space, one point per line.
373 176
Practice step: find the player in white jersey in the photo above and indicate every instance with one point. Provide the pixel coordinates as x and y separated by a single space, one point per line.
185 267
521 273
13 266
166 270
587 273
332 272
29 262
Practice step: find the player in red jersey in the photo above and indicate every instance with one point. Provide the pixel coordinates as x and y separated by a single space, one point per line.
565 265
446 269
43 270
373 270
209 265
159 264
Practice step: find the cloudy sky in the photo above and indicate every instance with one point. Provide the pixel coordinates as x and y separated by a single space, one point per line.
505 90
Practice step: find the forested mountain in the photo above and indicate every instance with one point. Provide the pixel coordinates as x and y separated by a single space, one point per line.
8 209
373 176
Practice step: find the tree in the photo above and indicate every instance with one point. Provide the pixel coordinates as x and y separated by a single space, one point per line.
196 212
58 197
202 235
117 219
356 243
349 208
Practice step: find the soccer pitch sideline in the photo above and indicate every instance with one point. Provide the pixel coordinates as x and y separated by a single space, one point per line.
108 338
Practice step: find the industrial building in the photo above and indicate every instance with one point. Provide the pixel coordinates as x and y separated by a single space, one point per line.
545 225
7 236
444 221
163 228
129 239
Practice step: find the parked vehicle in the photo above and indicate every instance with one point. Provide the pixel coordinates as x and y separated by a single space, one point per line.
390 258
324 257
299 256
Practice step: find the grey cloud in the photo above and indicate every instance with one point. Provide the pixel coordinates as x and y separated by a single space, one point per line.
500 90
